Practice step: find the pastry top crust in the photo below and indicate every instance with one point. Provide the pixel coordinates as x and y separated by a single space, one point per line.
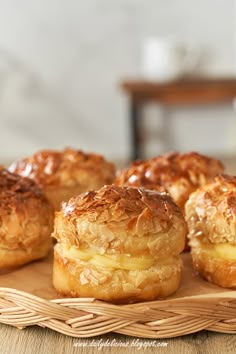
111 203
175 173
122 219
25 212
65 168
15 189
211 211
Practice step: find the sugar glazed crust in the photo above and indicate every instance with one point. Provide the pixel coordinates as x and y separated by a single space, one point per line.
63 174
26 221
175 173
118 244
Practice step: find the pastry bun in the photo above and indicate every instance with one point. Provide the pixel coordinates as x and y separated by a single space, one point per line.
175 173
118 244
26 221
63 174
211 217
178 174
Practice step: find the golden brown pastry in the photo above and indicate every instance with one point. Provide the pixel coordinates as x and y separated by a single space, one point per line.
175 173
178 174
211 217
26 221
118 244
63 174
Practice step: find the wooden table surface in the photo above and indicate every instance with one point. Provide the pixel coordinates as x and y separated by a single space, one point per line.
40 340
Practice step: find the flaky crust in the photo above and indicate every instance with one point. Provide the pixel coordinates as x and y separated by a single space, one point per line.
214 269
76 278
26 221
211 217
124 220
63 174
211 212
175 173
119 221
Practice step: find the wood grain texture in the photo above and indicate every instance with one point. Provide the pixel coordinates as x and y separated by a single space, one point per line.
39 340
184 91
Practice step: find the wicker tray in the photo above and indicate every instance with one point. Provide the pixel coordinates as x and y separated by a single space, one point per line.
27 298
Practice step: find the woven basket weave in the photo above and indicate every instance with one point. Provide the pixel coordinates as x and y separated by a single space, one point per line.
87 317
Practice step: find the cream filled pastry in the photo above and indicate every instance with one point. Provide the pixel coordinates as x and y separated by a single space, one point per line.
63 174
26 221
211 217
118 244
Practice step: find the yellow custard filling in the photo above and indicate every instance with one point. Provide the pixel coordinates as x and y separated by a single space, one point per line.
222 250
119 261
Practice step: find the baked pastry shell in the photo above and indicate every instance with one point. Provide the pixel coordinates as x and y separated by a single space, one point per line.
216 270
211 216
66 173
114 285
26 221
119 221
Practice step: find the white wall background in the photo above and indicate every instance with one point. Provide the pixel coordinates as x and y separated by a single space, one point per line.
61 63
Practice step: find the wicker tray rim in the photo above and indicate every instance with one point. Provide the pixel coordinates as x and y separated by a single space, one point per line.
88 317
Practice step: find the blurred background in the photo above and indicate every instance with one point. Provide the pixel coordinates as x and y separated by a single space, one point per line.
62 64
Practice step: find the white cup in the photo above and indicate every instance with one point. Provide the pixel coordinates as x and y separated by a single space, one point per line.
166 59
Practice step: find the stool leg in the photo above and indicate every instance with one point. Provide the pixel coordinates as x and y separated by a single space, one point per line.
168 138
135 116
